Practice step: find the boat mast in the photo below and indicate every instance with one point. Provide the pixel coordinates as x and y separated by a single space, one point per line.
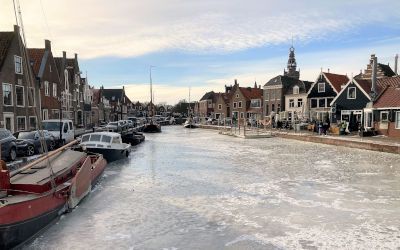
151 92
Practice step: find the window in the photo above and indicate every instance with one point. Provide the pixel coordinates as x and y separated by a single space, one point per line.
321 87
240 104
54 89
19 94
300 103
56 113
18 65
32 122
46 88
291 103
237 95
351 93
314 103
278 109
398 120
241 115
255 103
266 109
235 105
106 138
7 94
31 97
296 90
273 108
21 123
85 138
45 114
384 116
321 103
272 94
266 95
95 137
329 101
219 106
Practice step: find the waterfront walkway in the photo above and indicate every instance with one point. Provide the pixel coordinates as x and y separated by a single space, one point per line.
375 143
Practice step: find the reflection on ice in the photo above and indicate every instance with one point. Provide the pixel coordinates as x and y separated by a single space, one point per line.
201 190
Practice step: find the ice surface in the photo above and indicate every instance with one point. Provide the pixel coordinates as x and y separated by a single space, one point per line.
195 189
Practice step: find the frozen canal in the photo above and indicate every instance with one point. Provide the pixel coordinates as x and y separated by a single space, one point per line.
195 189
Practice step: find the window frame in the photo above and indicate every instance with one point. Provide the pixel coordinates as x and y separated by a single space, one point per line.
18 59
297 90
234 105
381 116
240 104
219 106
54 89
21 117
11 94
23 96
300 102
291 103
33 96
30 124
319 89
348 93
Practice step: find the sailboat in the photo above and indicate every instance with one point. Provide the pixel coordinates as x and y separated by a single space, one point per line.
36 194
151 126
190 123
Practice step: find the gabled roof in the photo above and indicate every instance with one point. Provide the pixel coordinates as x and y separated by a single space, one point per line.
110 93
307 85
5 42
388 81
336 80
363 85
251 93
386 69
285 81
208 96
389 98
36 57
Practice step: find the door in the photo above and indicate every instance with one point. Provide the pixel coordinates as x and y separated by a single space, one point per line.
9 121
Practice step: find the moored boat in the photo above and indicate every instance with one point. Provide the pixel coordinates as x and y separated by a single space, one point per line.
133 138
152 127
109 144
190 123
35 195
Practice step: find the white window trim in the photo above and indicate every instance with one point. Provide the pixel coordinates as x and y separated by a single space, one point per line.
54 89
30 121
319 85
15 63
237 95
235 105
348 93
23 96
47 112
33 97
298 101
291 103
297 90
241 115
12 95
397 119
46 88
387 115
240 104
24 123
219 106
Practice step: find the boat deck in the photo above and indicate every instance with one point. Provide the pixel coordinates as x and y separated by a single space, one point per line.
40 173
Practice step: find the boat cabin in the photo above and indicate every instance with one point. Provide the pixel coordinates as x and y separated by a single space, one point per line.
101 139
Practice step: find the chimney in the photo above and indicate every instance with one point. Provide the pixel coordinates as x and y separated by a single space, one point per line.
236 82
259 86
396 60
16 29
47 45
373 77
76 57
329 70
255 85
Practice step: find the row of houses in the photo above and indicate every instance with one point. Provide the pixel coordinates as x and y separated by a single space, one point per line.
368 101
36 83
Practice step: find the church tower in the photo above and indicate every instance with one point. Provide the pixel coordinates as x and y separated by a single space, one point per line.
292 65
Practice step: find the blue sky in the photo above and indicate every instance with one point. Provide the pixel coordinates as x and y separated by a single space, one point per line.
207 44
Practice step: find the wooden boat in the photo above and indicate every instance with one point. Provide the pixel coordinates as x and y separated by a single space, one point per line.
133 138
33 196
109 144
152 127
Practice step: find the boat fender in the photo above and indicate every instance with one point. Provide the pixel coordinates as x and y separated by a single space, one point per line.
3 165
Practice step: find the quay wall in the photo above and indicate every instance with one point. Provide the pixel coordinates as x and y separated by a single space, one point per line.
380 146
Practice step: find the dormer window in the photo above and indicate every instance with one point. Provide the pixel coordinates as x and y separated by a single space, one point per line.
18 65
296 90
237 95
321 87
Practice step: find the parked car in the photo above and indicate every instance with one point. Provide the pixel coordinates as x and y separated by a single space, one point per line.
29 143
113 127
212 121
8 145
134 121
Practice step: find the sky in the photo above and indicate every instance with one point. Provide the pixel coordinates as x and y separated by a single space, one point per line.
205 45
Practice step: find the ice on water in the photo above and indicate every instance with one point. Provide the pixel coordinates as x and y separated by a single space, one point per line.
199 190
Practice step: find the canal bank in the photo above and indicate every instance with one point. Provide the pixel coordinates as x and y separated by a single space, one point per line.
379 144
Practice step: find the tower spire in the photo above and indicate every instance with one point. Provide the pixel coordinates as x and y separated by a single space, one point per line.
291 64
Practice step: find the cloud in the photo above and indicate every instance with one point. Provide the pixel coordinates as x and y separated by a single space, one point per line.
133 28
